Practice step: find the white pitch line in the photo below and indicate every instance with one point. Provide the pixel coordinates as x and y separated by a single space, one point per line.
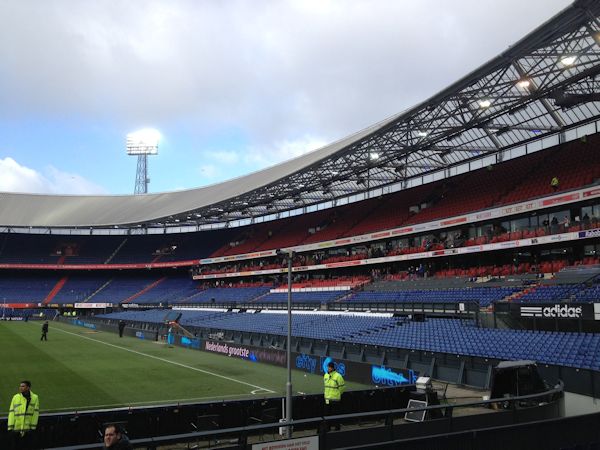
170 362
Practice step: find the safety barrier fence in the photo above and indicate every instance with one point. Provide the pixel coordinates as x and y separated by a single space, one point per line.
382 428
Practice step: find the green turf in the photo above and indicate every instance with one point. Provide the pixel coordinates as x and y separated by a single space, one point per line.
80 369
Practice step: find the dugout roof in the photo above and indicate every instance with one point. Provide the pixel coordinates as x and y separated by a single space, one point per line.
543 85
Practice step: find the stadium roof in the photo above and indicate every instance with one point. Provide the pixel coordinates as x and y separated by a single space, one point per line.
543 85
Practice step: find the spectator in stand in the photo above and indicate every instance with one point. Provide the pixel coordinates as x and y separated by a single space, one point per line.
115 438
459 239
426 244
489 233
546 224
554 225
586 220
554 184
566 223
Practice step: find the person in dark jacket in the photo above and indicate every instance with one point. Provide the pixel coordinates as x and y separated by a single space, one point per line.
121 327
115 438
44 331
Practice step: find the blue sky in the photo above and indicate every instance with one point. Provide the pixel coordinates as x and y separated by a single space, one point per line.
233 86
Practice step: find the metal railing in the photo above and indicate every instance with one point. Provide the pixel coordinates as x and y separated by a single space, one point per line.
552 397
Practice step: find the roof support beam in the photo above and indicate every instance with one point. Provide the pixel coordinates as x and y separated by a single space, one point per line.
551 112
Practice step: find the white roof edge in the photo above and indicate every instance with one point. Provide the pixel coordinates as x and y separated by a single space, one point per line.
46 210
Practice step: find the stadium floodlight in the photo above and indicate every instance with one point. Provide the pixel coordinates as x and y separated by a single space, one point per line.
141 144
422 133
374 156
568 60
485 103
524 84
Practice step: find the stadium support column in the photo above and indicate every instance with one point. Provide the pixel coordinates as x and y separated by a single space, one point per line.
288 386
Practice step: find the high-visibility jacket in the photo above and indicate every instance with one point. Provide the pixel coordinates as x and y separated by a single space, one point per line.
22 417
334 386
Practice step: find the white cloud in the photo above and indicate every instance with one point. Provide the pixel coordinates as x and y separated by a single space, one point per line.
273 71
220 165
282 151
292 149
277 69
15 177
71 183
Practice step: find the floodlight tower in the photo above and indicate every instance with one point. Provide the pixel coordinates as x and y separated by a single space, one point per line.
142 143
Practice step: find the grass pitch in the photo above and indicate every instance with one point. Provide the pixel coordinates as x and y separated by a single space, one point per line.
79 369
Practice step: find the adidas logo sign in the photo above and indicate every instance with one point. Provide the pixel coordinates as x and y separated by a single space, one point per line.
556 311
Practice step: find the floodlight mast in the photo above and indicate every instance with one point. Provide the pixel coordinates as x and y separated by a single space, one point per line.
142 143
141 175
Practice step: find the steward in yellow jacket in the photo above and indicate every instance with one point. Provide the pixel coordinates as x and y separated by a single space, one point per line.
334 384
334 388
24 410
